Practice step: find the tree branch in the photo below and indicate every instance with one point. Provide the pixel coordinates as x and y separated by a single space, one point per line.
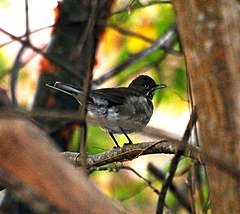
162 42
130 152
33 172
173 167
175 190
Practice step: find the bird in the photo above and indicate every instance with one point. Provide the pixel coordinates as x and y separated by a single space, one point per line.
121 110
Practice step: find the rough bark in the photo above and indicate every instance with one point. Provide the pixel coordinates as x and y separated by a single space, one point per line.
34 172
210 36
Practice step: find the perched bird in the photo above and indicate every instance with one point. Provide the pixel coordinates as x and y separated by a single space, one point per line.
122 110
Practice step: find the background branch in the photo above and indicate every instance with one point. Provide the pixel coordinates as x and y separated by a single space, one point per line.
44 180
162 42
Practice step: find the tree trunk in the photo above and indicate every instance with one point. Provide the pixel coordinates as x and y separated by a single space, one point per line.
210 36
70 49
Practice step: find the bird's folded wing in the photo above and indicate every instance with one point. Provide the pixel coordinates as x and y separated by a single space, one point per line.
114 96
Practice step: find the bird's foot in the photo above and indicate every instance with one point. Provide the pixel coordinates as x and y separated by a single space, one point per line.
129 143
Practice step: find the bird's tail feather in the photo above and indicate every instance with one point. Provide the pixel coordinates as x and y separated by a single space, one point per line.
65 88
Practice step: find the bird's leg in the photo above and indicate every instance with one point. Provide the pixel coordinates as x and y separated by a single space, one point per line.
129 140
114 139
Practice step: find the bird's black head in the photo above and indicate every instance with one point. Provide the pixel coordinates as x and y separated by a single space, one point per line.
146 85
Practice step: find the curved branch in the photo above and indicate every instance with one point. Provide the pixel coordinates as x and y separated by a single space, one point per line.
130 152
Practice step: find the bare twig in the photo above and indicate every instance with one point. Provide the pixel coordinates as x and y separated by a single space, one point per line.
161 42
30 33
88 77
14 75
126 9
27 22
180 197
117 168
52 57
18 61
145 67
129 33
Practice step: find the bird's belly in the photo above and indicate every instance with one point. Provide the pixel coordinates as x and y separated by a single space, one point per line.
127 126
131 117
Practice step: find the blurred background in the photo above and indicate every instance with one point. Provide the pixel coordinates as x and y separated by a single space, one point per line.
132 26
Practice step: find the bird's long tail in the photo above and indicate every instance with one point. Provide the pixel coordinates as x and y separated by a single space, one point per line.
66 88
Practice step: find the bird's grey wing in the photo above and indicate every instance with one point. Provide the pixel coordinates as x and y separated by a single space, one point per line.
110 96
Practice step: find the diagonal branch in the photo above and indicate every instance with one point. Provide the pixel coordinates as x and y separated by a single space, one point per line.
125 32
162 42
175 190
140 6
173 167
117 168
54 58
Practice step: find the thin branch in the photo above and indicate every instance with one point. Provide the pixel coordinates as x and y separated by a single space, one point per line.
51 57
126 9
178 194
27 22
30 33
18 61
88 77
146 67
129 33
14 75
173 167
161 42
117 168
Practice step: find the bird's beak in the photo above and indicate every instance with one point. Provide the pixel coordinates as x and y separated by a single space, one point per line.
160 86
153 90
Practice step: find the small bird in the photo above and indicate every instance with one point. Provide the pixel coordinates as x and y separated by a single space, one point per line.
122 110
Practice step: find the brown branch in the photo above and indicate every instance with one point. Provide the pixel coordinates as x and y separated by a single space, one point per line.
176 191
89 37
33 171
130 152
